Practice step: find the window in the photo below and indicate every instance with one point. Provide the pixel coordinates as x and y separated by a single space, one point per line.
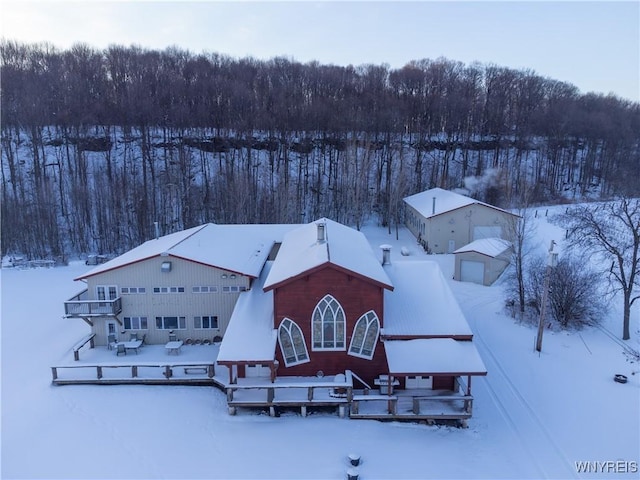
365 334
106 292
328 325
132 290
206 321
233 289
204 289
171 323
294 350
168 289
135 323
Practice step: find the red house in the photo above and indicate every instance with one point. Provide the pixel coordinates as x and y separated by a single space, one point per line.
328 305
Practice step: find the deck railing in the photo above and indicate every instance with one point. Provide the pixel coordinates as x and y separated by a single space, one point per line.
139 373
80 306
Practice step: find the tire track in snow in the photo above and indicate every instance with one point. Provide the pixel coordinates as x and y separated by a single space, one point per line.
552 456
528 437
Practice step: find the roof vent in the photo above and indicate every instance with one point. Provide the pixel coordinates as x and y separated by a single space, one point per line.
386 254
321 231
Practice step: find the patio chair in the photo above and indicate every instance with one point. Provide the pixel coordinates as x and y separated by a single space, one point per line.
144 336
173 337
111 341
133 337
120 349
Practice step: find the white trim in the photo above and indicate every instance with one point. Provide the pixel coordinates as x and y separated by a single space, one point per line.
288 330
369 321
328 299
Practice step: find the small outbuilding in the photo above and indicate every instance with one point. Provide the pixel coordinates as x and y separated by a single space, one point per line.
443 220
482 261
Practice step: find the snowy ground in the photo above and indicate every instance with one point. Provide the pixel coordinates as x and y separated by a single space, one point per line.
534 415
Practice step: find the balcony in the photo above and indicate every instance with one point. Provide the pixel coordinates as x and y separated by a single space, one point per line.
80 306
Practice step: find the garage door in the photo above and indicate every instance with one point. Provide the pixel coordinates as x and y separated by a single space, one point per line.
487 231
472 271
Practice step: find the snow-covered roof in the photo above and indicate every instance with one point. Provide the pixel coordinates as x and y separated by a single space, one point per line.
433 356
422 303
237 248
445 201
342 246
491 247
250 335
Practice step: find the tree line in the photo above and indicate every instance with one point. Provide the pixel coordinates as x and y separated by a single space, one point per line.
99 144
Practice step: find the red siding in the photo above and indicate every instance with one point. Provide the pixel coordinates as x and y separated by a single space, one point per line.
297 301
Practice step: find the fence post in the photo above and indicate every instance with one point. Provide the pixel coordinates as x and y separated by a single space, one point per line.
99 370
134 371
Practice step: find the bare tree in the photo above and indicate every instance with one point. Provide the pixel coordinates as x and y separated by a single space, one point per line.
611 231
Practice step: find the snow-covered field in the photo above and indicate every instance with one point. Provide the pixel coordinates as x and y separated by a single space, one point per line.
534 415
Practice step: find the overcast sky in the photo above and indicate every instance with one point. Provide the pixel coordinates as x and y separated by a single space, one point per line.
594 45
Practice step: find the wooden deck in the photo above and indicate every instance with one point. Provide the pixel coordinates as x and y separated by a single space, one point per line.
413 405
290 392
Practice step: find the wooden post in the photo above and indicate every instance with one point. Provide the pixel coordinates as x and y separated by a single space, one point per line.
92 342
270 394
211 371
303 410
76 355
229 394
551 262
310 393
54 373
167 371
416 406
134 371
354 407
392 406
99 369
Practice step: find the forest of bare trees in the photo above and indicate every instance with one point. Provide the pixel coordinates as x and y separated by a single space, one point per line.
97 145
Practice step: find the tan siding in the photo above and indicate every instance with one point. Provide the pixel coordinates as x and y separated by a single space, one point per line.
183 274
493 267
458 225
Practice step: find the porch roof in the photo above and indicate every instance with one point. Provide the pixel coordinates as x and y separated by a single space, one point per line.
250 335
433 356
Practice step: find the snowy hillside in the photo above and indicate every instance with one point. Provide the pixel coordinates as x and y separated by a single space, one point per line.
535 415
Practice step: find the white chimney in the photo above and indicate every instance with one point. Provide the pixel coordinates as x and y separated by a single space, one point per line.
386 254
321 231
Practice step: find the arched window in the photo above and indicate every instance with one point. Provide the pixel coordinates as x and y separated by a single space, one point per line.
328 324
365 335
294 350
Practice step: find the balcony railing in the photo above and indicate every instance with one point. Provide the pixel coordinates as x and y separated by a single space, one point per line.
81 306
